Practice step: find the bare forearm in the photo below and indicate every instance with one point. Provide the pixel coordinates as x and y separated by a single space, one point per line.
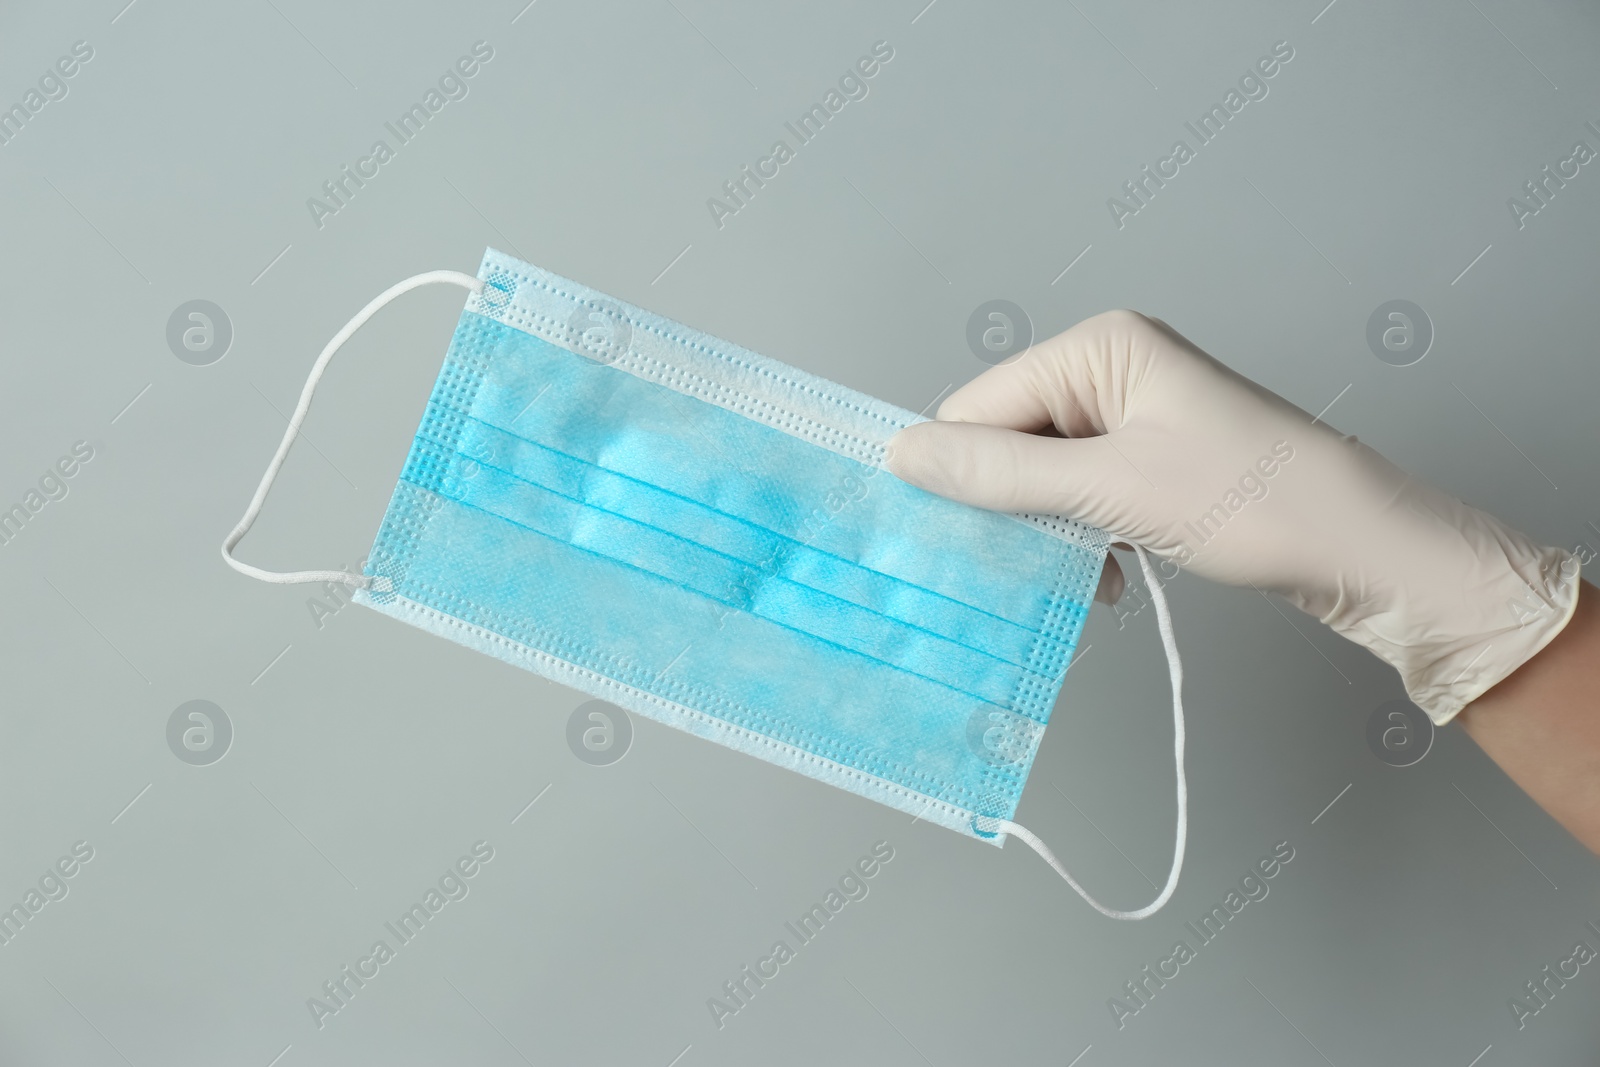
1542 723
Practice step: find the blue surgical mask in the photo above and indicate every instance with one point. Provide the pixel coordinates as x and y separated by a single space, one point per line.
708 538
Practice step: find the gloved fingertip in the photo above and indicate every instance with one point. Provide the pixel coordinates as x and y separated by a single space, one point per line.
899 453
1111 584
913 456
948 410
957 407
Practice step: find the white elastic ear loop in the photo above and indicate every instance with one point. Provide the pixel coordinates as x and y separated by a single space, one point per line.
416 281
1175 666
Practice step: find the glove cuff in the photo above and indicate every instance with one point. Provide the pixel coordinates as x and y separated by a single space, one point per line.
1513 604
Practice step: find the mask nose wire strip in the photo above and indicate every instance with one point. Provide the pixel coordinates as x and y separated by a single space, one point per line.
416 281
1175 666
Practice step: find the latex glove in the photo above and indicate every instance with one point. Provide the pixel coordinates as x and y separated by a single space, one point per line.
1123 423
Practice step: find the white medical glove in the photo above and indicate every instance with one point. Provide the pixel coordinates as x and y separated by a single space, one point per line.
1123 423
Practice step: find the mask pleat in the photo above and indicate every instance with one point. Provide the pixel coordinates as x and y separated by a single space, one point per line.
757 580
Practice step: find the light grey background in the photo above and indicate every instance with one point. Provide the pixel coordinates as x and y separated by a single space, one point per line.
367 756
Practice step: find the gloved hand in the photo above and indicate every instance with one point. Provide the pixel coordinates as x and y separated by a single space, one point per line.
1123 423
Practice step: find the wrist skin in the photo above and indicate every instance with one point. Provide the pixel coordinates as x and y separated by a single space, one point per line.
1541 723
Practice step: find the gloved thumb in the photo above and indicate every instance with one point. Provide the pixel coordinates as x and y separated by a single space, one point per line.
1006 470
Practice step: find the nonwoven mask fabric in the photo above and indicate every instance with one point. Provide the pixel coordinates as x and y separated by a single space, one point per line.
708 538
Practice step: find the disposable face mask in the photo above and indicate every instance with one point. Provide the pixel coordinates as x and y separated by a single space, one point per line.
707 538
